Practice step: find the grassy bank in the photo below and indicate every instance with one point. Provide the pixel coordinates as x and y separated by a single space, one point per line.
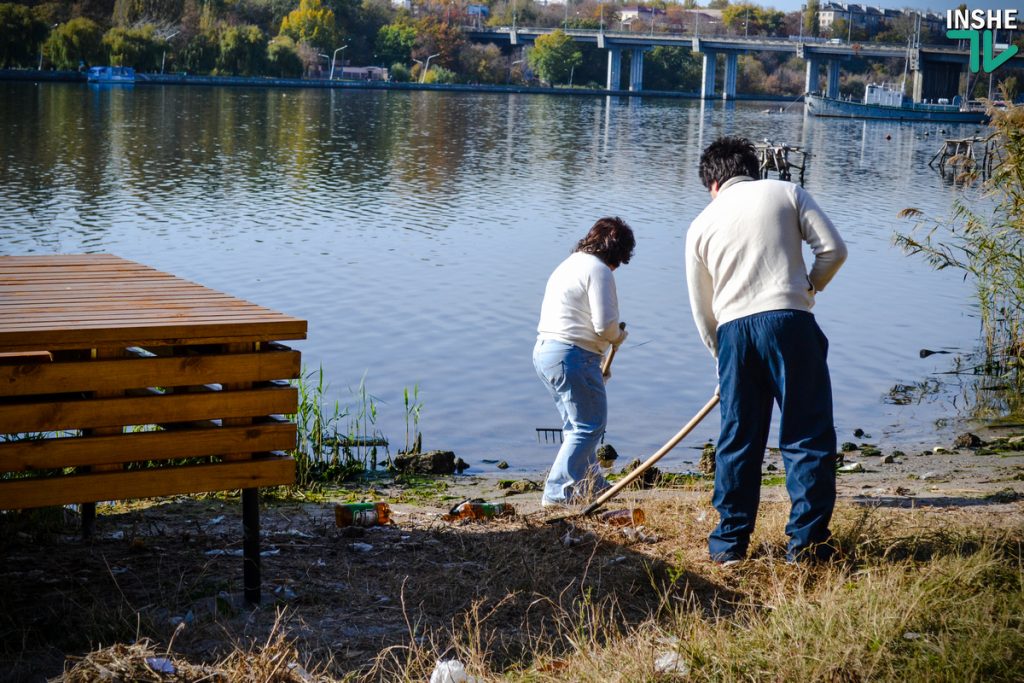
932 595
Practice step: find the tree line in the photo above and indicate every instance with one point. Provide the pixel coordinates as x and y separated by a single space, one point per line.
424 40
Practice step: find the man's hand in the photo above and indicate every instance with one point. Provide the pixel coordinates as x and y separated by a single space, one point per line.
622 338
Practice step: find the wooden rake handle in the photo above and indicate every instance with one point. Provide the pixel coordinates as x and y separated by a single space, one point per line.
607 363
672 443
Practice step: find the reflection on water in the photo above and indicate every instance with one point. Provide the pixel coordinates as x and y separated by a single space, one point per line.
415 231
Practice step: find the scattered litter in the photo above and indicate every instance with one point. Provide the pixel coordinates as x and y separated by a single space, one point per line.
285 593
238 552
929 475
360 547
187 619
451 671
320 562
296 670
572 537
361 514
118 570
910 635
216 520
852 467
116 536
638 535
671 663
623 517
297 533
161 665
478 509
939 450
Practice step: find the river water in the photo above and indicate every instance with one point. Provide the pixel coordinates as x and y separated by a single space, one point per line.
415 231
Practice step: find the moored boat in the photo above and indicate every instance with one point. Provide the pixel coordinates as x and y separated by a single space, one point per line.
883 102
111 74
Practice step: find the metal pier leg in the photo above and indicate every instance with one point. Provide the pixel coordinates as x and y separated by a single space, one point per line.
251 545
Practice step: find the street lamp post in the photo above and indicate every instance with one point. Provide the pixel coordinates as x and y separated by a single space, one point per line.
802 7
334 58
746 24
426 66
163 57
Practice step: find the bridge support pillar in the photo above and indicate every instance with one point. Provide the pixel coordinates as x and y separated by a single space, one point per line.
933 80
707 81
636 70
833 79
813 72
732 60
614 68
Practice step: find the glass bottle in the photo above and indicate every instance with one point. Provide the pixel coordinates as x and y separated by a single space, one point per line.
361 514
477 509
624 517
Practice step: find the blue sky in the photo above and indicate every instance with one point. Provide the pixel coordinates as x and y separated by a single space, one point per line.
933 5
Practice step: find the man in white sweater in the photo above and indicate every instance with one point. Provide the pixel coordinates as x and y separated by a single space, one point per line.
751 296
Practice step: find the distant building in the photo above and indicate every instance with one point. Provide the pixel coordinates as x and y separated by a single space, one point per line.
643 15
364 73
872 20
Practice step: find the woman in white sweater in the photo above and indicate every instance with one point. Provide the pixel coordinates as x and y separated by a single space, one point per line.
579 319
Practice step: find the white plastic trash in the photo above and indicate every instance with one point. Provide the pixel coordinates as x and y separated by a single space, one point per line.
451 671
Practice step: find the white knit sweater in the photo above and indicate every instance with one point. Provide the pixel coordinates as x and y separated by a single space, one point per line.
744 253
580 305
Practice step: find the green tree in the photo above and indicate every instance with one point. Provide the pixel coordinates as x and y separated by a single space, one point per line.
439 74
200 54
554 56
810 18
129 12
750 19
243 50
672 68
718 4
283 58
434 37
21 34
78 41
482 63
311 23
136 47
395 42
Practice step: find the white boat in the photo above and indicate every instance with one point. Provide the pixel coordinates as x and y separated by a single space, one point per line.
883 102
111 74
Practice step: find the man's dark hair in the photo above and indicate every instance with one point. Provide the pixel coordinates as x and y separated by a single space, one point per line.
610 240
726 158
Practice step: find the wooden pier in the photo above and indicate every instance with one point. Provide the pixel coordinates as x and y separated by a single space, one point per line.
774 158
960 155
119 381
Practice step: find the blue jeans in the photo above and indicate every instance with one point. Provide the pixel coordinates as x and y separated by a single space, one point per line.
776 356
573 377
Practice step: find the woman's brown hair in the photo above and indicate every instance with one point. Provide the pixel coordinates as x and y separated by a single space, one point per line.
611 240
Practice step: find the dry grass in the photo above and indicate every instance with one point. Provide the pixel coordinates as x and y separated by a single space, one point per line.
919 595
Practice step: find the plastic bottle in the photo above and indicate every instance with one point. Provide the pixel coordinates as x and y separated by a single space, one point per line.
362 514
477 509
624 517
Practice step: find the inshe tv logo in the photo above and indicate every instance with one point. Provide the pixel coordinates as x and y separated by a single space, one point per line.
978 26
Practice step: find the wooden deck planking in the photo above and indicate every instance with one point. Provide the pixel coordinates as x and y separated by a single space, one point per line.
84 301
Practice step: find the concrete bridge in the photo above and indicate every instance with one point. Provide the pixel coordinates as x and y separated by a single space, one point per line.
936 69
